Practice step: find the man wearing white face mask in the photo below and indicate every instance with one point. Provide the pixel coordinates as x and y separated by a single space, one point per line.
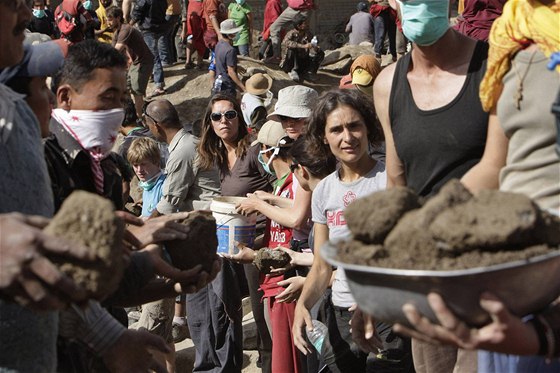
85 125
434 125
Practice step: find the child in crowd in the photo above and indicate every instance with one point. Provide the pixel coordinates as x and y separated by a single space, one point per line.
144 156
156 317
227 81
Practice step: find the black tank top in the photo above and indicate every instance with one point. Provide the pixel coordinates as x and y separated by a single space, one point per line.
444 143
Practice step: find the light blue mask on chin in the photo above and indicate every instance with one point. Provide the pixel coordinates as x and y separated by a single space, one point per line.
39 13
424 21
88 5
266 166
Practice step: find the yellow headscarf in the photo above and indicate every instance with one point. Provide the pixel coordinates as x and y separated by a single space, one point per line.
522 22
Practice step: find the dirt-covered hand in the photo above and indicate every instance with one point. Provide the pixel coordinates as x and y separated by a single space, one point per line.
131 353
26 275
160 229
196 279
245 255
506 333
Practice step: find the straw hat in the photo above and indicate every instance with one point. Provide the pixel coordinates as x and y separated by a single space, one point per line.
296 101
229 27
258 84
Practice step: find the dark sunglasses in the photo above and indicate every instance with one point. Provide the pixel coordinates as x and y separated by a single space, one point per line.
230 114
284 118
293 167
145 113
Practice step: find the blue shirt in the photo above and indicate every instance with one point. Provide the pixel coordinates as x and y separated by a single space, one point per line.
151 197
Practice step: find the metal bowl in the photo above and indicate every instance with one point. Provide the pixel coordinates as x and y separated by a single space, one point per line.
524 286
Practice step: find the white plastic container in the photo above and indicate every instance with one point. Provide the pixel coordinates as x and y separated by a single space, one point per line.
231 226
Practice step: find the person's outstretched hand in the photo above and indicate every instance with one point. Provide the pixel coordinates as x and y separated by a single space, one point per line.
26 275
245 255
363 331
131 353
186 281
506 333
156 230
302 321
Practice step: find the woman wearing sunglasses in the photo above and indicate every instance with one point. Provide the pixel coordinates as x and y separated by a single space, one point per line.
226 143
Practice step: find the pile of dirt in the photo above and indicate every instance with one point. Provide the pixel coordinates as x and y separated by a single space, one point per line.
452 230
88 219
200 245
268 259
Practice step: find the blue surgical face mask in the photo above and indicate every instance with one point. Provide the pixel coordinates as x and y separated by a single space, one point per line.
88 5
240 2
39 13
266 166
149 184
424 21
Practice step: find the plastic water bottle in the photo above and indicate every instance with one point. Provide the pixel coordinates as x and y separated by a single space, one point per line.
318 335
218 84
314 42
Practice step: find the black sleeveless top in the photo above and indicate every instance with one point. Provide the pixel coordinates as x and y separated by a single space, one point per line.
444 143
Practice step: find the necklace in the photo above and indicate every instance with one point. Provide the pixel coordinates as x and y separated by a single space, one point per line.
518 95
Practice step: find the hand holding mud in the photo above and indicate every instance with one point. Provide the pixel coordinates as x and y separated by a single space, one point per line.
26 275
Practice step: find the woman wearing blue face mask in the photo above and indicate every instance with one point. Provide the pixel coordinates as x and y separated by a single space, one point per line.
226 142
43 20
241 13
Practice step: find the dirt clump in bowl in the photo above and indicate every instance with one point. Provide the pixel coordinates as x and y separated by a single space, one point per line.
371 226
267 259
455 230
200 245
90 220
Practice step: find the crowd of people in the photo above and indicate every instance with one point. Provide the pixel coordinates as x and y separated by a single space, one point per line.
478 102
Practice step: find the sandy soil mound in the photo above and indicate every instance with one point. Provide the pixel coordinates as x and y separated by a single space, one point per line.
455 230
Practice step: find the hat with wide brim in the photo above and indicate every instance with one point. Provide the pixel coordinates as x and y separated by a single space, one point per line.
296 101
229 27
258 84
270 133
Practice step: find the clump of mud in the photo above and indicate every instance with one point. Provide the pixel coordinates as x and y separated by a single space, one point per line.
200 245
373 225
90 220
268 259
453 230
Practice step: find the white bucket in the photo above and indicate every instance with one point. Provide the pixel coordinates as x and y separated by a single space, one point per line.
231 226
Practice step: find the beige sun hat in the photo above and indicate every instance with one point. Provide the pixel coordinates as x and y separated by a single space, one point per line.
258 84
270 133
229 27
296 101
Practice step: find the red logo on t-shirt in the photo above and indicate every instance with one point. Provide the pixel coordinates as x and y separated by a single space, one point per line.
348 198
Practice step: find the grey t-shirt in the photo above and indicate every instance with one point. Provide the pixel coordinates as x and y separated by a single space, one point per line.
187 187
360 27
225 56
330 198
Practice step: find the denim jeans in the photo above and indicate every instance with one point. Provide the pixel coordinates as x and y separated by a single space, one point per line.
168 53
242 50
384 26
153 39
